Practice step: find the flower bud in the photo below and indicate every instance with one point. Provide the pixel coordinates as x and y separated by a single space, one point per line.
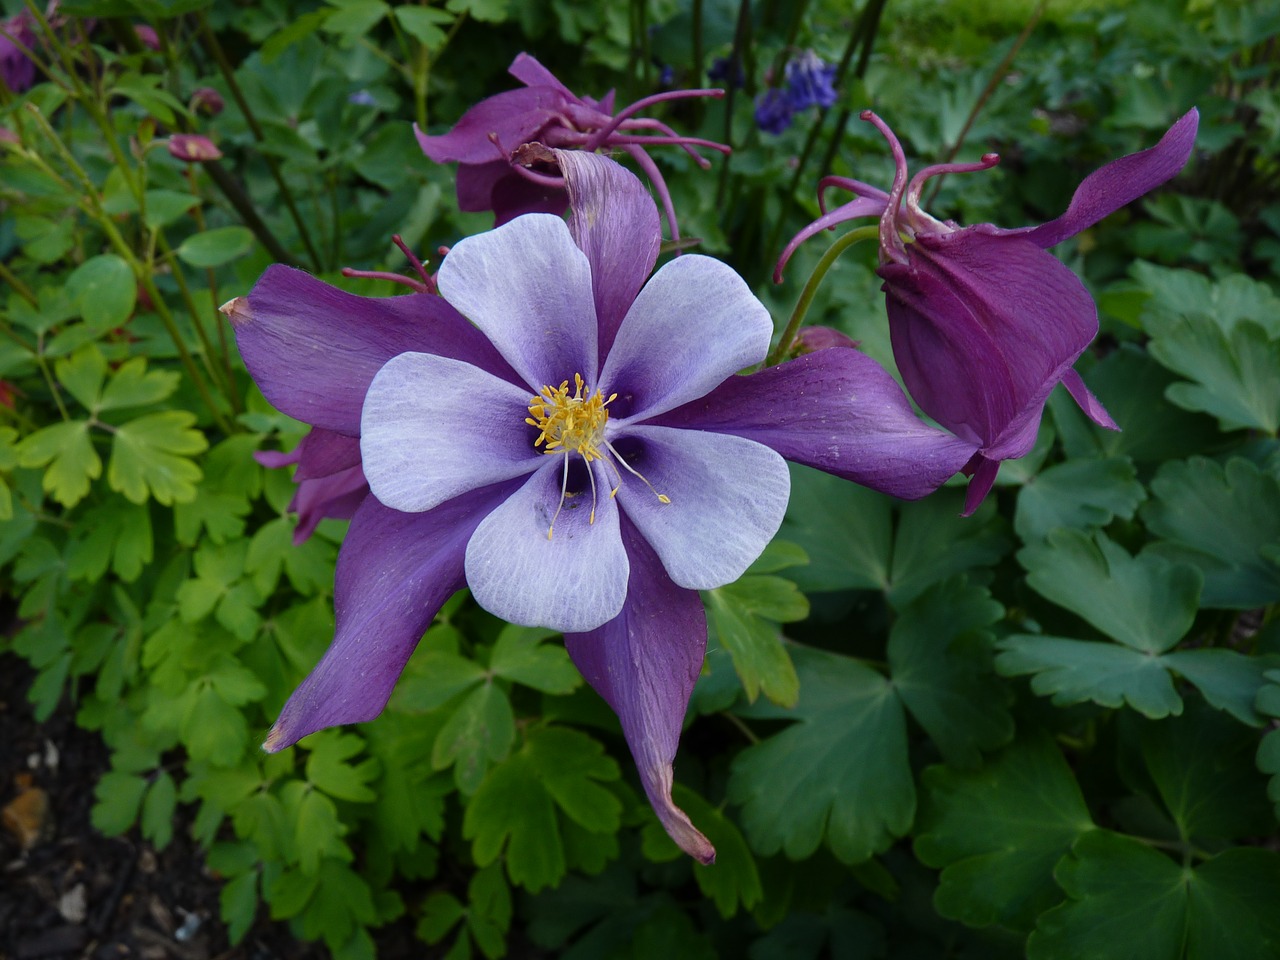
208 101
193 148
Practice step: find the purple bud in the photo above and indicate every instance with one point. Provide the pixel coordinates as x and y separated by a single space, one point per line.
147 35
207 100
17 72
193 148
813 339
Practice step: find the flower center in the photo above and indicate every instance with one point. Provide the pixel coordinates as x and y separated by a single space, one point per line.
570 423
574 423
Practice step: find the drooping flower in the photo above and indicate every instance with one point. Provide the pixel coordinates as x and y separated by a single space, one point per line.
809 82
17 70
484 142
773 111
572 443
984 321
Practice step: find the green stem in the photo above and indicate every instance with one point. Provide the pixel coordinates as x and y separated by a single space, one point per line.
228 74
811 288
17 286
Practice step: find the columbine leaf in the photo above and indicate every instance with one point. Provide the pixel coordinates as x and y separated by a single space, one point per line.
846 531
213 248
935 542
134 386
82 374
149 457
1076 671
940 661
1131 902
841 771
1222 520
329 769
1082 494
1144 602
104 290
1229 681
479 732
996 833
745 615
1268 758
515 808
68 455
521 654
115 534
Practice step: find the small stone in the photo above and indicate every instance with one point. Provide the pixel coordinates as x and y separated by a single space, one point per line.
73 905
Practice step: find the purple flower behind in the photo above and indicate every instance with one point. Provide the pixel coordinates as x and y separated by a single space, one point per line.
809 82
984 321
484 142
773 111
565 435
193 148
17 70
329 476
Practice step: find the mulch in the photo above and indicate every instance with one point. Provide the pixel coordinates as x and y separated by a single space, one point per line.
67 891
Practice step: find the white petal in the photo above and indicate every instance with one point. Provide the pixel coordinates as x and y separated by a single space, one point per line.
527 286
433 428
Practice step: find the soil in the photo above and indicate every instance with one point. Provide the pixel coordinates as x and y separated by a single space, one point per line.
74 893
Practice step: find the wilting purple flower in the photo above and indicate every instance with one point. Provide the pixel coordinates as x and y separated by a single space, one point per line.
572 443
17 70
485 140
773 111
809 82
193 148
330 480
984 322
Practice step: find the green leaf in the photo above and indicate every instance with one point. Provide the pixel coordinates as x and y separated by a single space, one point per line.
424 23
238 904
745 615
149 457
1131 902
489 913
996 833
845 529
71 461
935 542
104 290
733 880
515 808
841 772
1202 767
158 809
354 18
1077 671
119 798
486 11
167 206
318 829
132 385
82 374
1082 494
1229 681
1268 758
522 655
1144 602
329 770
479 732
213 248
940 662
115 534
435 678
1222 520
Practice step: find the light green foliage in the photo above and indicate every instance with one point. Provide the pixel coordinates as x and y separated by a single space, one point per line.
519 807
213 248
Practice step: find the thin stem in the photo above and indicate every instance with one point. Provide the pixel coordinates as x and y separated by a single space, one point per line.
228 74
992 83
742 728
811 288
740 55
17 286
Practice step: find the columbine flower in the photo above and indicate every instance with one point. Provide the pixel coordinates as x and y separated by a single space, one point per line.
330 480
17 70
207 100
809 82
984 322
572 443
485 140
773 111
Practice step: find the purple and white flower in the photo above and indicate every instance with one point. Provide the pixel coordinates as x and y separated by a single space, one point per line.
568 437
984 321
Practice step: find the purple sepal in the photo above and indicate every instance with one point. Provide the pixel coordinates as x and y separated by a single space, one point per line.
313 349
1120 182
330 480
615 223
983 327
837 410
644 663
394 572
510 118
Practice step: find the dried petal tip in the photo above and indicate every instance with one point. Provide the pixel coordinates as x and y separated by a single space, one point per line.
237 311
193 148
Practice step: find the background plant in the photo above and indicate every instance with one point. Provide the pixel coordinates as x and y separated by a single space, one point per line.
1045 730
